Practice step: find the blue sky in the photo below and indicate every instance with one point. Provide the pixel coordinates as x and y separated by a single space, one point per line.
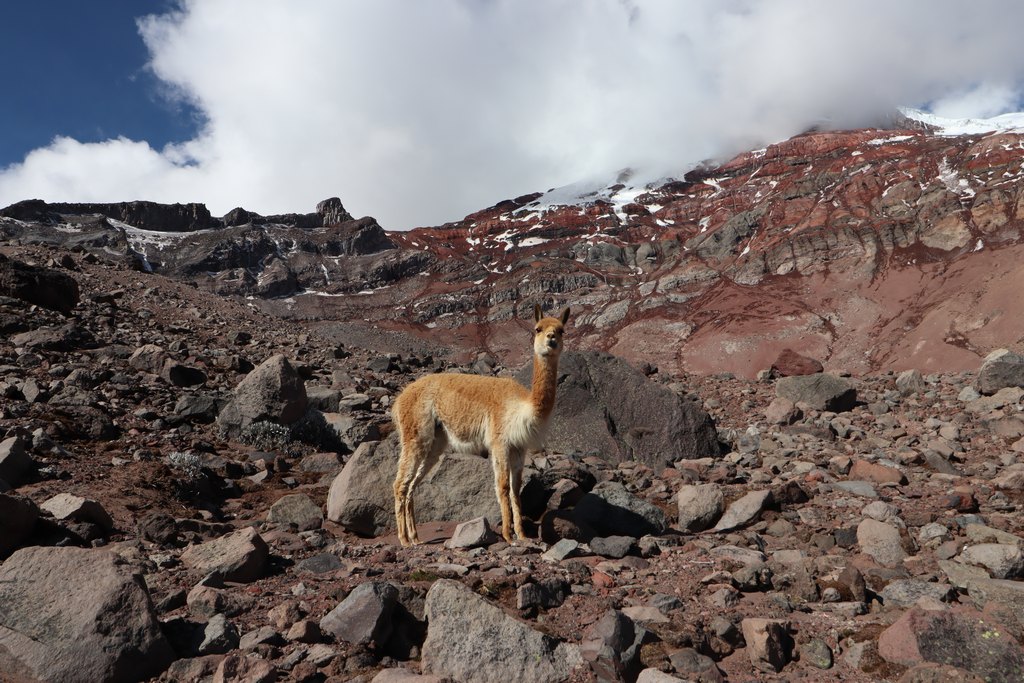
78 68
419 112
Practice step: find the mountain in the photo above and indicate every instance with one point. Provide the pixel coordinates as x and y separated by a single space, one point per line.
871 249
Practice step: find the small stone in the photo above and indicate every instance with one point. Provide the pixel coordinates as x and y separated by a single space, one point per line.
475 533
699 506
219 636
241 556
241 669
879 474
817 653
612 546
881 541
910 382
297 509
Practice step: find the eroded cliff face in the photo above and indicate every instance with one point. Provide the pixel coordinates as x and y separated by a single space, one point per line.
868 249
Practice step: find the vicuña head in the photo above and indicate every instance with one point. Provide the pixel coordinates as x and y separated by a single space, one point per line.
476 414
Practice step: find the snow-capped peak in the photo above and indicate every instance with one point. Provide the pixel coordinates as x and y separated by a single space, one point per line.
1004 123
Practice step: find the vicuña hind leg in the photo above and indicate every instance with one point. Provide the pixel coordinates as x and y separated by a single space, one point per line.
422 457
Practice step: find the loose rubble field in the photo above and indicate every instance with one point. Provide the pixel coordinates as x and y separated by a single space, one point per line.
154 525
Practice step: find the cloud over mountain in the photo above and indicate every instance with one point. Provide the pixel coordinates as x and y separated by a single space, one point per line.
418 113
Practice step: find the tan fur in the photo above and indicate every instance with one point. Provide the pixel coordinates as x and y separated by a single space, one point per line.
476 414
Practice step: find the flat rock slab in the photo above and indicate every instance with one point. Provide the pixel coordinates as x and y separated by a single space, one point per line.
820 391
744 510
74 614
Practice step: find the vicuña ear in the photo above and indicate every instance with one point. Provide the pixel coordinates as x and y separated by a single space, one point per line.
565 315
537 314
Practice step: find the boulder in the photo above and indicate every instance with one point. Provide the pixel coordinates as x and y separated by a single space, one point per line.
606 406
273 392
792 364
15 463
961 637
820 391
18 517
362 497
1000 369
472 641
610 510
69 506
75 614
45 287
364 616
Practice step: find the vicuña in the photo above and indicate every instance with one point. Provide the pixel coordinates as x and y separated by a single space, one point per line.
476 414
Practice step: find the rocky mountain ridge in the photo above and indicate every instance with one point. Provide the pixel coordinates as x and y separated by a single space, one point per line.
869 249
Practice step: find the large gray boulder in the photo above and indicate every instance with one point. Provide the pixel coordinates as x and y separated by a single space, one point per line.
820 391
74 614
273 392
362 498
1001 368
472 641
606 406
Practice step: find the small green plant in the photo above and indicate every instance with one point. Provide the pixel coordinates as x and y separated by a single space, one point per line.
423 575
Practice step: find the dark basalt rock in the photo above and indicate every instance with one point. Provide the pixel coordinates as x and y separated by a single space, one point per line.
604 405
44 287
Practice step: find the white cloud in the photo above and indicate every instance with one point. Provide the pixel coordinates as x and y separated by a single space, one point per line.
420 112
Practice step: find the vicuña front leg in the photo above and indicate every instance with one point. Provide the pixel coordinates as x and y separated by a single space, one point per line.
499 460
516 462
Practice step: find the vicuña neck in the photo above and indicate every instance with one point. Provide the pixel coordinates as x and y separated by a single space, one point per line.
545 382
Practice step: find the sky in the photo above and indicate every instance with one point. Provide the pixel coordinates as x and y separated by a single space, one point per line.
419 112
